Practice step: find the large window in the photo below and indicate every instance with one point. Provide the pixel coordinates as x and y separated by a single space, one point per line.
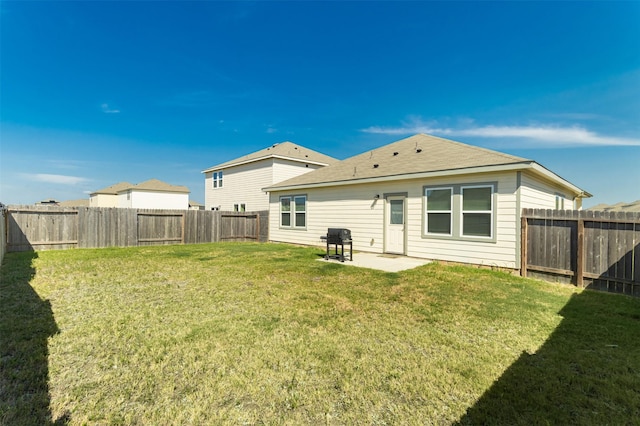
465 212
217 179
477 211
439 213
296 206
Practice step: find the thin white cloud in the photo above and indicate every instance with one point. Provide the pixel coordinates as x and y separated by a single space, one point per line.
544 134
107 110
57 179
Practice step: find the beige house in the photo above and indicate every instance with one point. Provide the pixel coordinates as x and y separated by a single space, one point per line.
236 185
107 197
150 194
154 194
422 196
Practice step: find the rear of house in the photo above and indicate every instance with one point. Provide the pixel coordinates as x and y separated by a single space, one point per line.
423 197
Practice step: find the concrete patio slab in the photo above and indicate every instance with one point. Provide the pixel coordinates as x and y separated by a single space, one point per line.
382 262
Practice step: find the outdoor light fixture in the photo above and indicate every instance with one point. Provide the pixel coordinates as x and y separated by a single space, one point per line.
376 197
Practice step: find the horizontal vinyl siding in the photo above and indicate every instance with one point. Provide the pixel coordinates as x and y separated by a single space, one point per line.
354 207
538 194
241 185
286 169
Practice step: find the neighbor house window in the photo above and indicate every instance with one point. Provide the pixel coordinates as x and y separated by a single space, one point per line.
217 179
477 211
438 206
239 208
296 206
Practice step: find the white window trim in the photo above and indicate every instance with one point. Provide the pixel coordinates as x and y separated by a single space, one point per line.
427 211
216 178
292 211
491 212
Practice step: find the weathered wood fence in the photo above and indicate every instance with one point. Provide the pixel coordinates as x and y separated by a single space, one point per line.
593 249
3 231
53 227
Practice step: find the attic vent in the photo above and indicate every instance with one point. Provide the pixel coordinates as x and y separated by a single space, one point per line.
419 150
395 153
274 145
306 156
295 147
375 166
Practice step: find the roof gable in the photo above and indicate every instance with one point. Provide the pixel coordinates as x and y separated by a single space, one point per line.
286 150
416 154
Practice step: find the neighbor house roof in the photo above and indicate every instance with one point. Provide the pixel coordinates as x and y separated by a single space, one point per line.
157 185
75 203
285 150
113 189
416 156
618 207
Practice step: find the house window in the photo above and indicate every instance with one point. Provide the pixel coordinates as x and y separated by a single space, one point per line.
217 179
285 211
239 208
296 206
438 207
301 211
559 202
477 211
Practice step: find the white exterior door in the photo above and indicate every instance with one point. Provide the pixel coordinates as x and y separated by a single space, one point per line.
395 225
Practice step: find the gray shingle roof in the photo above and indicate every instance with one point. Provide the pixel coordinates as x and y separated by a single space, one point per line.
416 154
287 150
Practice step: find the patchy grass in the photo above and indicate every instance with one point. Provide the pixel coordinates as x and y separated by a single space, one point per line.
264 334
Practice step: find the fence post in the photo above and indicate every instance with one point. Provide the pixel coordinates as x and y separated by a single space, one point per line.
580 254
523 246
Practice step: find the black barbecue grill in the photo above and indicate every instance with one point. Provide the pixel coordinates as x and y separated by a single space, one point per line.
338 237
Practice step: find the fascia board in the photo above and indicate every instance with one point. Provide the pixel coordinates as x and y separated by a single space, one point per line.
423 175
253 160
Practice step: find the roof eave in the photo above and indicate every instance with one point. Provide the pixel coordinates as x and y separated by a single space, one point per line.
525 165
540 169
419 175
266 157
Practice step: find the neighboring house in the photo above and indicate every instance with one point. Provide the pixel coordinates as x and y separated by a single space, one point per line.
107 197
236 185
74 203
618 207
194 205
422 196
154 194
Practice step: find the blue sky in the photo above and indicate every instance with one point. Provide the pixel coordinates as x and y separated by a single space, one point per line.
95 93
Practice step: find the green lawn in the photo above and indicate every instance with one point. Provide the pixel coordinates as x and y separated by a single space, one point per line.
264 334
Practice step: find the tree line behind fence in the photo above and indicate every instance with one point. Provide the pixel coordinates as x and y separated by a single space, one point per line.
53 227
593 249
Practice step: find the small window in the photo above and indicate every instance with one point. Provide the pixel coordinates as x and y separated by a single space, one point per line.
477 211
217 179
301 211
438 210
396 212
285 211
235 208
559 202
243 207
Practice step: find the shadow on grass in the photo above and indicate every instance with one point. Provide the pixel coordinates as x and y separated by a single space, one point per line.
26 322
587 372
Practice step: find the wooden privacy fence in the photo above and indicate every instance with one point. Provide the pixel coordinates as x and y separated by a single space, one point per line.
598 250
53 227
